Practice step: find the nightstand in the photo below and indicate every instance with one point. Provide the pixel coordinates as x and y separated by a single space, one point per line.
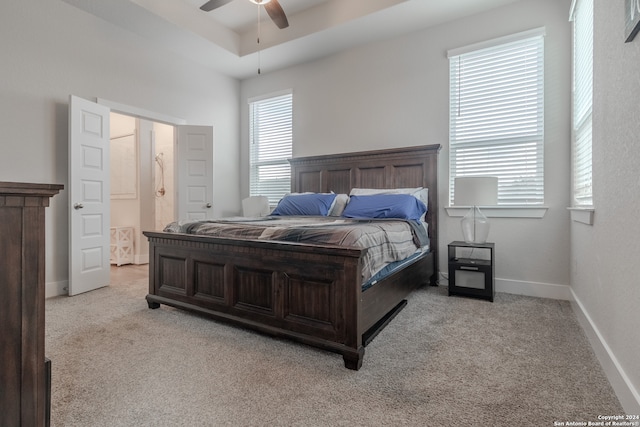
472 269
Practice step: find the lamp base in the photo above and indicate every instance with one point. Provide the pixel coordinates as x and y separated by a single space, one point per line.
475 226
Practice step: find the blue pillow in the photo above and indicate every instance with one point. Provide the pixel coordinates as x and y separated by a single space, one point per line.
304 204
403 206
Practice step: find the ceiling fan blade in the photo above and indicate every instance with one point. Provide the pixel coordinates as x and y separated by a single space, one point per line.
214 4
277 14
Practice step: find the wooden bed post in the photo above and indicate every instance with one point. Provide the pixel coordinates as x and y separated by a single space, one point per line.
353 359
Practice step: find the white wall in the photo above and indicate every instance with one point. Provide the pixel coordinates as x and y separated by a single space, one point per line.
395 93
604 273
49 50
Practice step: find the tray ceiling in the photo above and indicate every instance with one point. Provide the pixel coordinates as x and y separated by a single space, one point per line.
225 38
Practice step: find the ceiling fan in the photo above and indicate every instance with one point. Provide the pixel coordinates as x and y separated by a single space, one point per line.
273 8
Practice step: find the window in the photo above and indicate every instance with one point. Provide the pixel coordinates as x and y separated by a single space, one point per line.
582 17
496 120
270 136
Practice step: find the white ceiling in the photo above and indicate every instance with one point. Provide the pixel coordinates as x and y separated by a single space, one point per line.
225 39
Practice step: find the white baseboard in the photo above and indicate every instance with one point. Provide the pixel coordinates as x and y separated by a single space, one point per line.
627 394
534 289
54 289
623 387
531 289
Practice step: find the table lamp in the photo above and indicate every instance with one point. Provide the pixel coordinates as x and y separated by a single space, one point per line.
475 191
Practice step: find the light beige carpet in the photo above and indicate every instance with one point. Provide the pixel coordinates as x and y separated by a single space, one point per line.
443 361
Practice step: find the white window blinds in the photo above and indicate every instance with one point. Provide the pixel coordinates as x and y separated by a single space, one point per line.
496 117
270 135
582 101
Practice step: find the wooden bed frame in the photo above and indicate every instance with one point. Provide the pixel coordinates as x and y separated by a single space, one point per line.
308 293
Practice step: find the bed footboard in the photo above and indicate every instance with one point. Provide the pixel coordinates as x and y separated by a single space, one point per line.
308 293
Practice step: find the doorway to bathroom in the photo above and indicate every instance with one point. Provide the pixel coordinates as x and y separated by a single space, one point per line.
95 233
143 185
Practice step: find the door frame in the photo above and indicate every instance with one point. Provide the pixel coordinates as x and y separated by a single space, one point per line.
140 112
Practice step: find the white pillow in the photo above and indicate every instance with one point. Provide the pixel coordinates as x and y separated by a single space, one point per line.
339 203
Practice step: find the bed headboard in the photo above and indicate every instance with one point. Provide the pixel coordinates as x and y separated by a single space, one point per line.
392 168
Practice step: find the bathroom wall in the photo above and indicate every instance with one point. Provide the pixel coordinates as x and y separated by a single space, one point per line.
164 190
125 208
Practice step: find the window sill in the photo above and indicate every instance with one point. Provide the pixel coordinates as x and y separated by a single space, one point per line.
501 211
583 215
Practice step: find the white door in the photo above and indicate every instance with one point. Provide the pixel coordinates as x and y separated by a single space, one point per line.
195 172
89 196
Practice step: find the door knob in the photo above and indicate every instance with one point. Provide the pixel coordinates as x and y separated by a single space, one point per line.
208 205
77 206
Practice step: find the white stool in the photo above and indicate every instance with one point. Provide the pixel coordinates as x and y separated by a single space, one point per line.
121 245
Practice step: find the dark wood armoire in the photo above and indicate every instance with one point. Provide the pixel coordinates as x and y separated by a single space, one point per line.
25 374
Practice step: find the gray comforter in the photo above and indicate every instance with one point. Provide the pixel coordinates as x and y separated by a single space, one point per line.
387 240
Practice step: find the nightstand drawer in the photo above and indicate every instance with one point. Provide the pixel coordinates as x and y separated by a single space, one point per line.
469 277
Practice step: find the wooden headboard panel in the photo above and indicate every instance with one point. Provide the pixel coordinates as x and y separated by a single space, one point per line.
393 168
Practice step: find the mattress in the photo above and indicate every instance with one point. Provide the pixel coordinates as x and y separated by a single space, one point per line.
386 240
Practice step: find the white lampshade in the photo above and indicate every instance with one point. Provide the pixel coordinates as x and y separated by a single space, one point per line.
476 191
